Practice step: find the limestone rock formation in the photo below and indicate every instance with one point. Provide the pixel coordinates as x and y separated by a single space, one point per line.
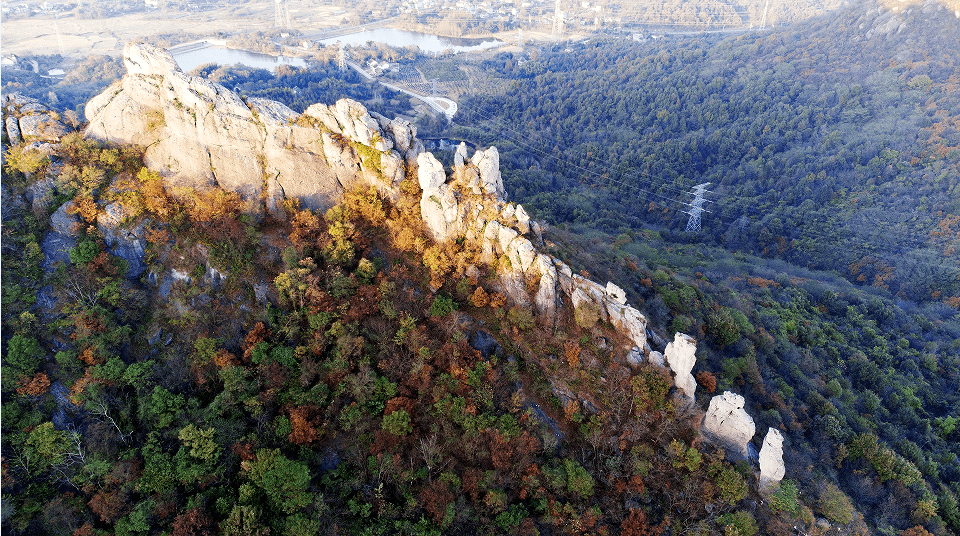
681 355
488 162
27 120
727 422
771 459
657 358
198 133
128 244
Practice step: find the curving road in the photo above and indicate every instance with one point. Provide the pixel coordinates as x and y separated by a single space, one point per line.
443 105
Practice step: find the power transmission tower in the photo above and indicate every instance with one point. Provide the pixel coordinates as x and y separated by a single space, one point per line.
696 207
56 17
282 18
433 88
763 19
557 22
341 57
520 38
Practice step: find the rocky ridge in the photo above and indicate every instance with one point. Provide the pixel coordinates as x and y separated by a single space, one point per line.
198 133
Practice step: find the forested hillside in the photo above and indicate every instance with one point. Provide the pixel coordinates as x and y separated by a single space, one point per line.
319 373
833 144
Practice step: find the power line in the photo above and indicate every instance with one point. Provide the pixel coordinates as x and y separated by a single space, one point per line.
560 159
694 206
609 166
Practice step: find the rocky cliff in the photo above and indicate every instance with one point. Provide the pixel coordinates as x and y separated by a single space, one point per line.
198 133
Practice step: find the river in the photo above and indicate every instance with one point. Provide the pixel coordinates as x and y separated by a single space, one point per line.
193 57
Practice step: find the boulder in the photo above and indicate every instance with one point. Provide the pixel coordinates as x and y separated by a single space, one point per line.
40 194
513 285
634 357
43 127
430 173
128 244
322 113
198 133
545 301
727 422
504 238
13 130
438 209
403 134
681 355
65 223
628 321
460 156
657 358
771 460
521 254
616 293
523 220
484 343
537 232
360 126
140 58
490 242
488 162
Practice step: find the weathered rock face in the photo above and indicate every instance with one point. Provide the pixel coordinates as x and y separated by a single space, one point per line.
27 120
729 423
771 460
128 244
198 133
681 355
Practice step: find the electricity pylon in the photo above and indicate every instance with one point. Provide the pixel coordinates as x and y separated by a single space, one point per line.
696 207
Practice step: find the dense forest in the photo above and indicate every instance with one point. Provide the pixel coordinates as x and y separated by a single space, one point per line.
824 145
829 146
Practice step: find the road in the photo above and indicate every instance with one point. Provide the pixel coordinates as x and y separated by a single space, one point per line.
441 104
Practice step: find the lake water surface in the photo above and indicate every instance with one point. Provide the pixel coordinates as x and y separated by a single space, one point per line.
193 58
401 38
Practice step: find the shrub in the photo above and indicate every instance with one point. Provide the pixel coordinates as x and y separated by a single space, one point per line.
835 505
26 161
785 499
511 517
587 314
520 317
84 252
650 388
579 481
730 483
442 306
738 524
397 423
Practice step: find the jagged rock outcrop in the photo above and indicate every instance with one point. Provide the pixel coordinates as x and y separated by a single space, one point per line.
727 422
126 243
25 119
62 237
771 460
198 133
681 355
